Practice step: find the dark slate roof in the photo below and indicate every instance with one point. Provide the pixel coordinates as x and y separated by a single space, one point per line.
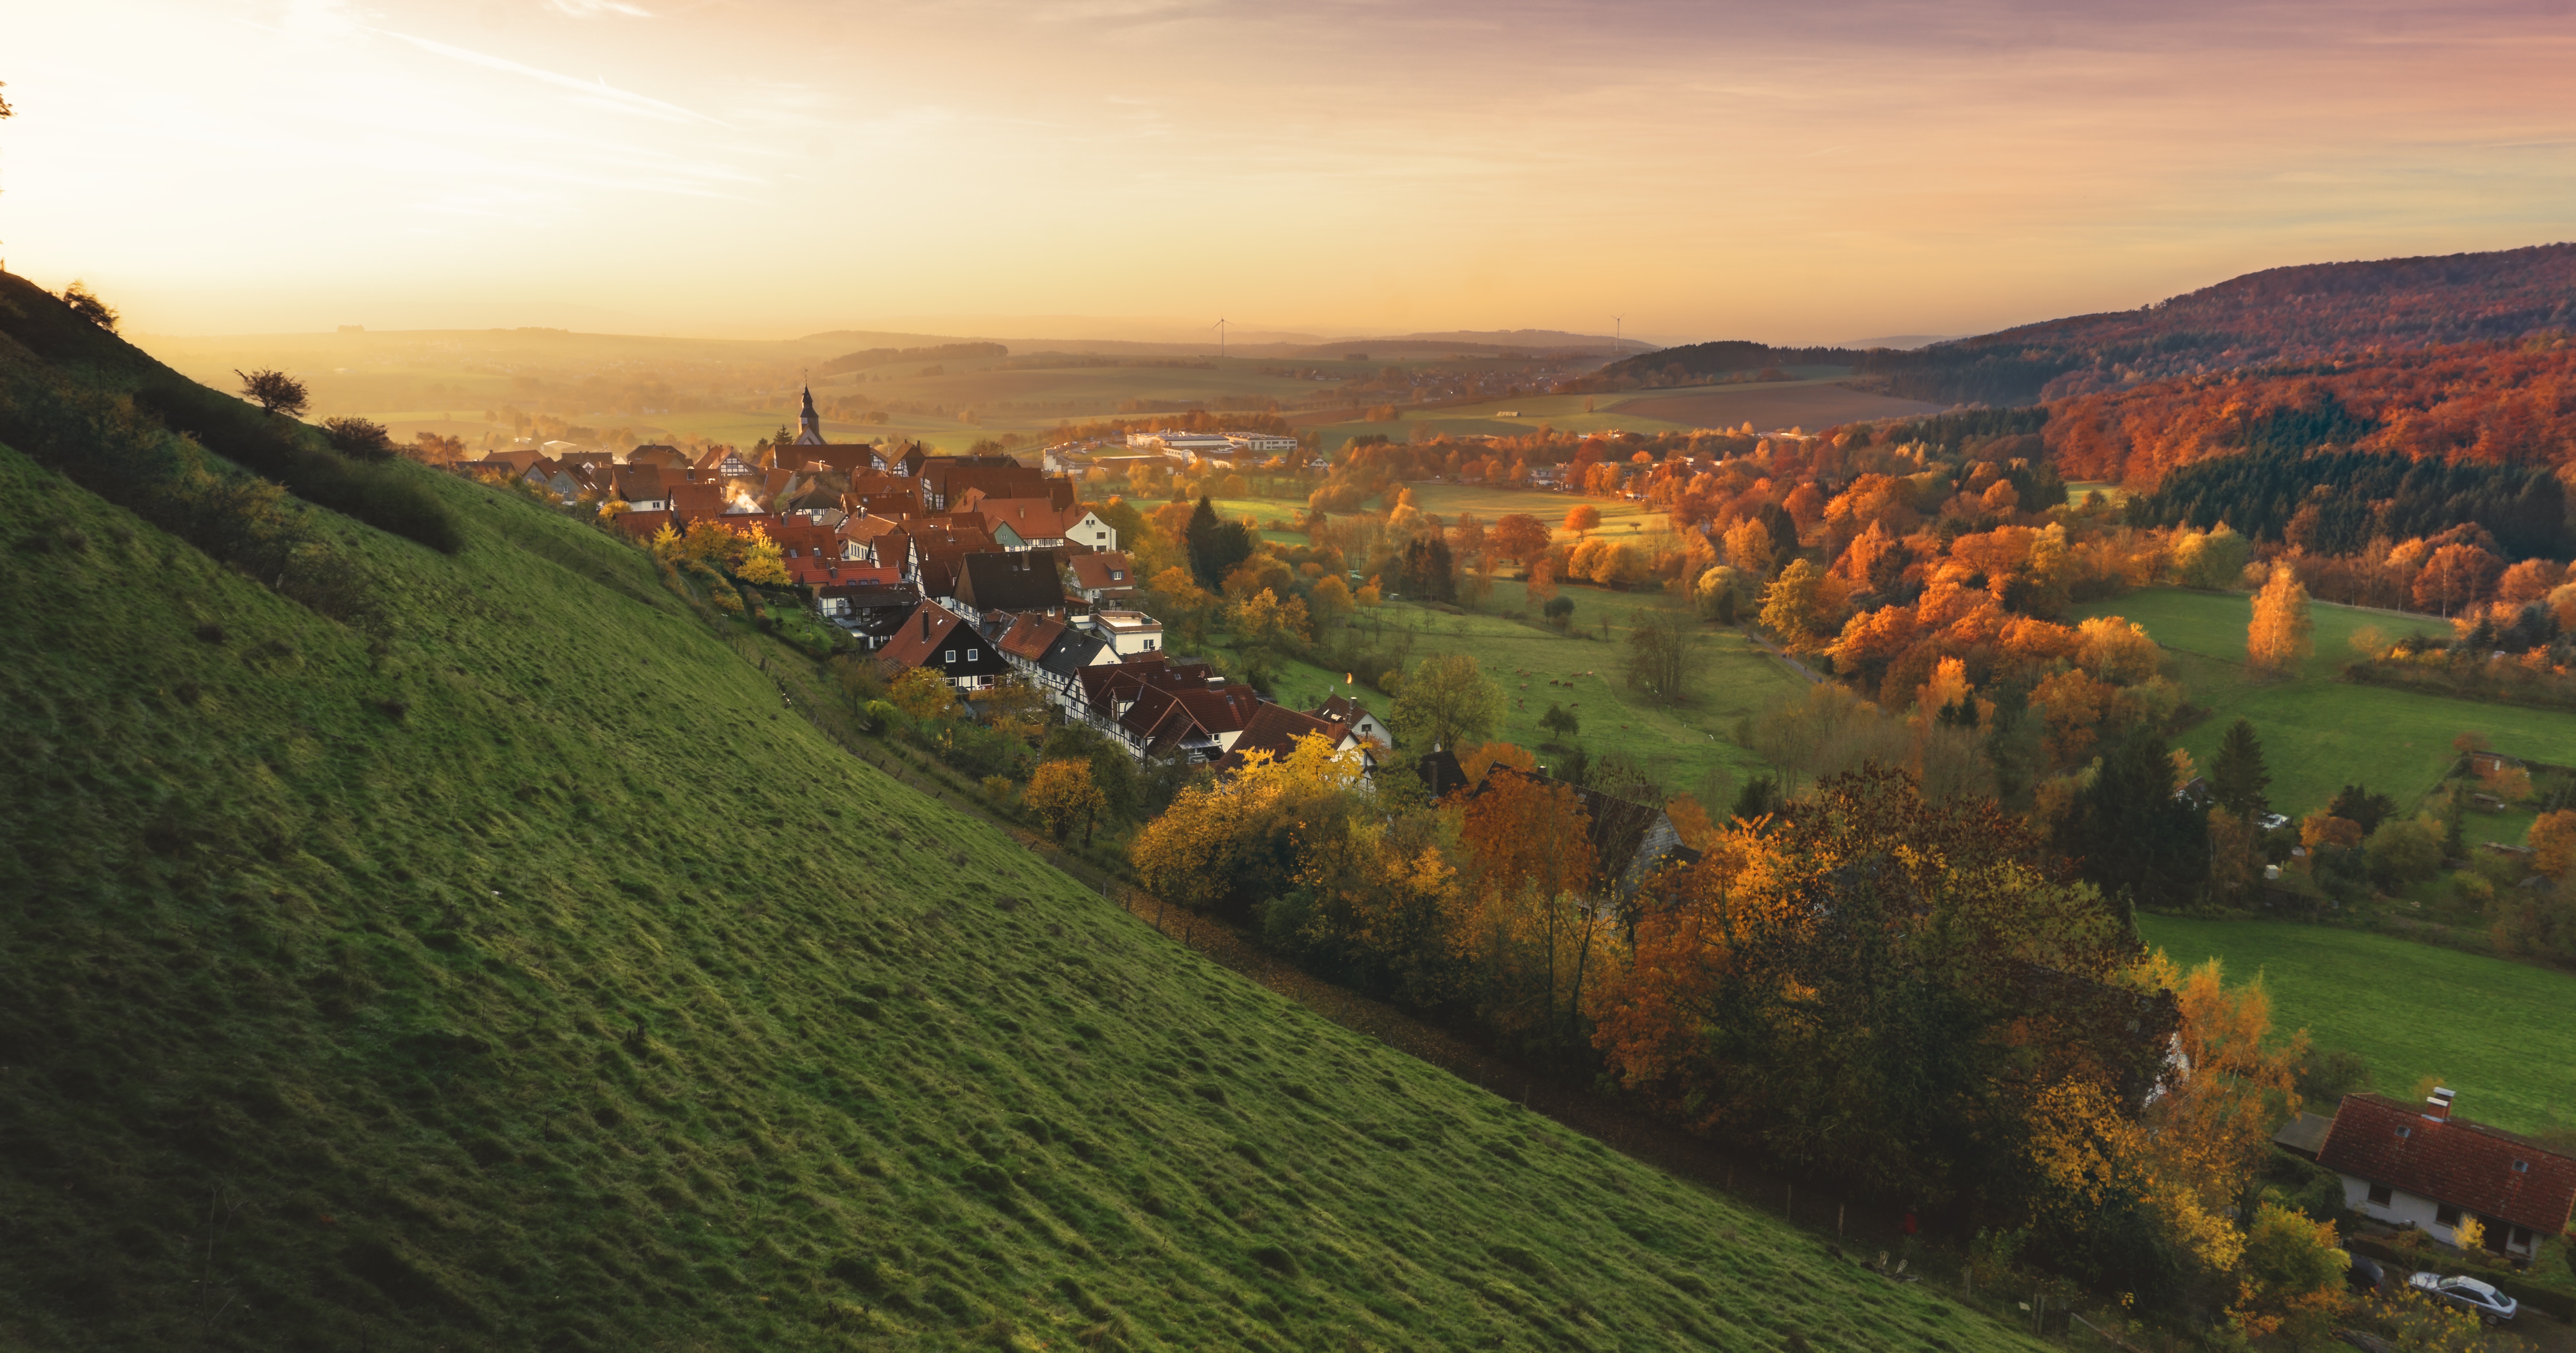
1018 580
1072 651
2468 1165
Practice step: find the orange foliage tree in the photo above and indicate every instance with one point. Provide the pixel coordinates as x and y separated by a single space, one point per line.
2280 638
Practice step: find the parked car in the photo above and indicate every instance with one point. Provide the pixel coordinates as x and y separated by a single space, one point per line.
2364 1275
2272 822
2470 1295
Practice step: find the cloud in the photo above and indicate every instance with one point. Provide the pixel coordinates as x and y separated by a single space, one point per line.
591 9
598 93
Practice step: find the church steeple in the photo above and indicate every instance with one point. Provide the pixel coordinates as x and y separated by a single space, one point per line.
809 425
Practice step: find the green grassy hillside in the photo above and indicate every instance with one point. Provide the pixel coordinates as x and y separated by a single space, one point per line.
2494 1031
2320 734
516 976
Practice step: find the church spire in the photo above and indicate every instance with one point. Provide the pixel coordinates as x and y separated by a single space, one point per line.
809 425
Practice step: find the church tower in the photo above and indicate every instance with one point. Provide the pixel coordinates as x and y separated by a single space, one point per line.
809 425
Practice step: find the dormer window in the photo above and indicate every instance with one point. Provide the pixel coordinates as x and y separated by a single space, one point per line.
2406 1132
2522 1167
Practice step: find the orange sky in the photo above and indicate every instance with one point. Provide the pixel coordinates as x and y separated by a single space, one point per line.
771 167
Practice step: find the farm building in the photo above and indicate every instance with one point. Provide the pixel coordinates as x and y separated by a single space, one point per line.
2417 1165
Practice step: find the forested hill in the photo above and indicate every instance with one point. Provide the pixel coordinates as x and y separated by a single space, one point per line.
2292 314
445 939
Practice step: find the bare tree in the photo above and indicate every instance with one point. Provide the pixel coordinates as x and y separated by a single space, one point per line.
274 391
1661 652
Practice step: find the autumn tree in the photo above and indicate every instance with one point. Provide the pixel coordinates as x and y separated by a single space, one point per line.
2290 1280
1518 537
1061 794
2280 639
2455 578
1446 701
1528 934
1583 517
1749 547
764 562
2552 839
1877 989
923 693
1803 606
274 391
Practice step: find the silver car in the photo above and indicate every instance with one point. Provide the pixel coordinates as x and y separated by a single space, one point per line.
2477 1298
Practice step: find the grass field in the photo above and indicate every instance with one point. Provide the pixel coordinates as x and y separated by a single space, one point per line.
2320 734
1817 402
1681 747
525 977
2496 1032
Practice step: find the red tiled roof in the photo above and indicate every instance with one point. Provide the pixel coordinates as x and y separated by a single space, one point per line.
1091 572
912 645
643 525
1030 636
1276 728
2467 1165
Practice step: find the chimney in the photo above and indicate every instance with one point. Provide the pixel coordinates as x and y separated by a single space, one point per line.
2437 1106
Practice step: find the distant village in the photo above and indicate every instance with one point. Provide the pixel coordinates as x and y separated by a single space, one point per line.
976 566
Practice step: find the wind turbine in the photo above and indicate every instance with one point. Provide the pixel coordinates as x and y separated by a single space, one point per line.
1618 331
1220 339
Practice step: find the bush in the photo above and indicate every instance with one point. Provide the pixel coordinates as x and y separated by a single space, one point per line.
359 438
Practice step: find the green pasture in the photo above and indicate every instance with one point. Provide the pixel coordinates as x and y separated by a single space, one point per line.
1619 517
1682 747
2497 1032
2319 733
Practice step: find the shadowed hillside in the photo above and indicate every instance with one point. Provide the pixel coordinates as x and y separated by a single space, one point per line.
487 963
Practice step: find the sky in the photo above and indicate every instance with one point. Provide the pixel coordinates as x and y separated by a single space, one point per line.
767 168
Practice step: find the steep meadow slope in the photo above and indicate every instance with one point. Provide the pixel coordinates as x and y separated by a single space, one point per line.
496 967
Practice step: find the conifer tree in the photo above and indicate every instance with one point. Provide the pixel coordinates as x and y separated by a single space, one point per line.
2237 777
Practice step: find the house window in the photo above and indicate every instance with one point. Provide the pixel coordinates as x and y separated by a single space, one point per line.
2522 1167
2381 1195
952 656
1149 643
972 654
2521 1238
2446 1215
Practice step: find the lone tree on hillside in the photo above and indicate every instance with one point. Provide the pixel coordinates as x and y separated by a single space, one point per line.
1448 701
1660 650
86 304
274 391
1582 517
359 438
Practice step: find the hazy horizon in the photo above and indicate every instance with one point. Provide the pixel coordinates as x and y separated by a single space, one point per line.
774 168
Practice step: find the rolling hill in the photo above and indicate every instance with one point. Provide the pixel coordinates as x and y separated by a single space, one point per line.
500 966
2293 314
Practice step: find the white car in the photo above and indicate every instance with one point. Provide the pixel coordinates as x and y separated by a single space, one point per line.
2470 1295
2272 822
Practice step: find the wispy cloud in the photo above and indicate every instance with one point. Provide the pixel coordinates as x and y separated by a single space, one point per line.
597 93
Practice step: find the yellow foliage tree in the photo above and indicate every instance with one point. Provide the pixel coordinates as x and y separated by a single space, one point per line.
923 693
666 542
1061 793
2291 1280
2282 635
2116 650
1804 606
763 561
1748 547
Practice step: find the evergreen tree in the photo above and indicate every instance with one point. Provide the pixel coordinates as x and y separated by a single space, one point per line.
2362 808
1215 545
2237 778
2455 839
2134 839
